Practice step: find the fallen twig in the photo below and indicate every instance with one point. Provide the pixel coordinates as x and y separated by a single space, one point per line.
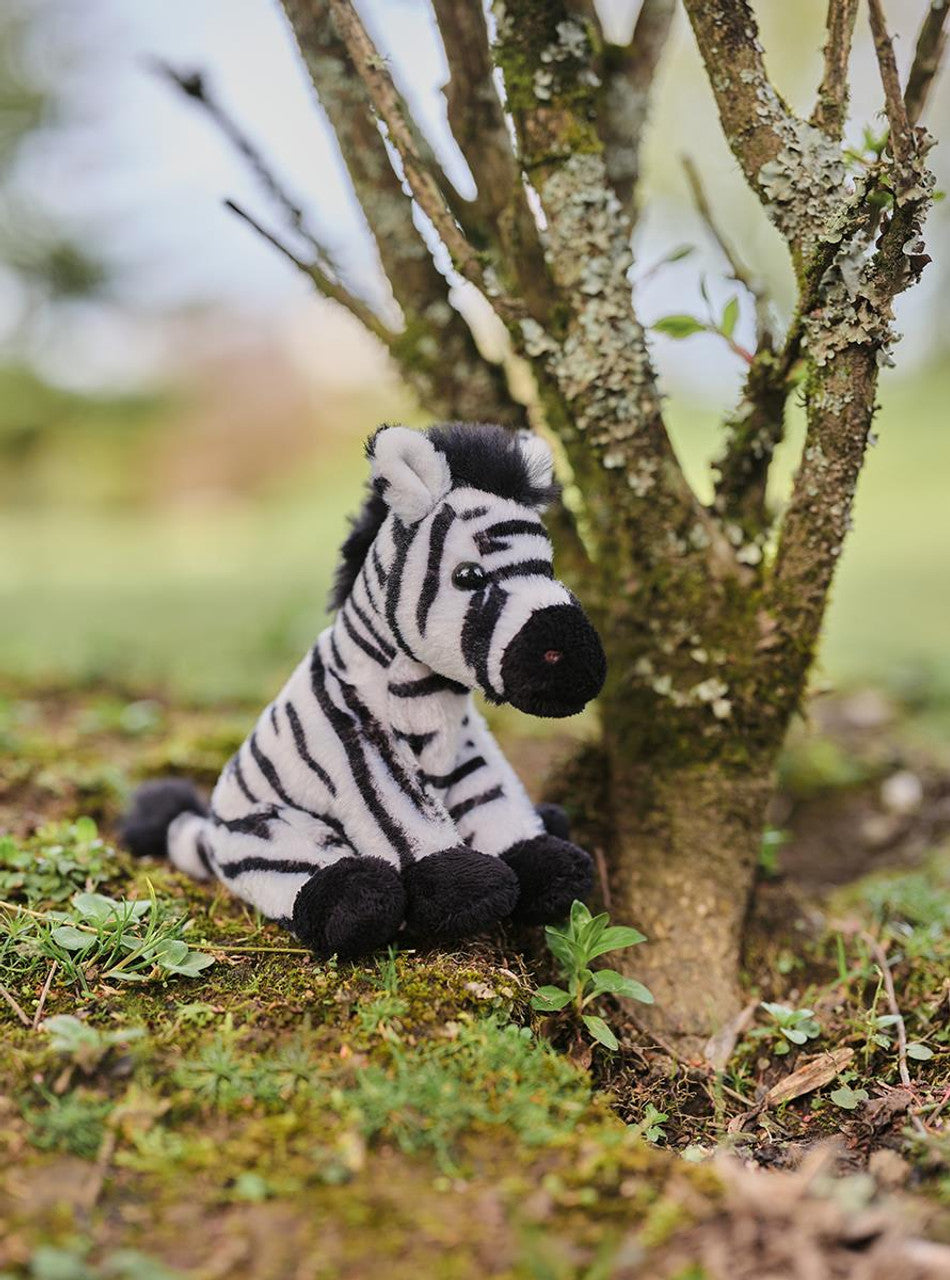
41 1004
877 951
14 1006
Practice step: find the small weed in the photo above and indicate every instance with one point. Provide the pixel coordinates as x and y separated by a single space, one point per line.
584 939
84 1045
651 1126
773 838
490 1075
70 1262
788 1027
121 940
223 1076
75 1123
848 1099
55 863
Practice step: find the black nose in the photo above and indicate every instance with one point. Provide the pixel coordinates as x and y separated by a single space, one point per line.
555 664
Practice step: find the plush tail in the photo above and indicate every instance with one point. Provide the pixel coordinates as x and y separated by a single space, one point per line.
154 807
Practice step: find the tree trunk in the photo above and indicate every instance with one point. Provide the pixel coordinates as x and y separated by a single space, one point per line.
682 864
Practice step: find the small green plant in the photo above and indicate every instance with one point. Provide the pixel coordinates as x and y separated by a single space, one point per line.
53 864
121 940
787 1027
584 939
76 1122
773 838
651 1126
848 1099
83 1044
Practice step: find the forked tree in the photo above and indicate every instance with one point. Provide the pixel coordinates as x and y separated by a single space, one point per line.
710 614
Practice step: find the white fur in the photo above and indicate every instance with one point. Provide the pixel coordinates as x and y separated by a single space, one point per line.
417 474
538 454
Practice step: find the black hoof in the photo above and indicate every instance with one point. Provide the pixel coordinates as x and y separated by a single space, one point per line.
457 893
352 907
154 807
551 874
555 819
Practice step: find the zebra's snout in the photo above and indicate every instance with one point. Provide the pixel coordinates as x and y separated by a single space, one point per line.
555 664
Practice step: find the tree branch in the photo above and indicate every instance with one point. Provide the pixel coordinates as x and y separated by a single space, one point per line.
794 169
928 55
831 109
501 215
318 276
386 103
901 135
629 72
739 272
436 351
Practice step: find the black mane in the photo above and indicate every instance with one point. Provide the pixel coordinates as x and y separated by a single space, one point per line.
480 456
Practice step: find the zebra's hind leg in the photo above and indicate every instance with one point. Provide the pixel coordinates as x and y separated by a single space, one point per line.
301 870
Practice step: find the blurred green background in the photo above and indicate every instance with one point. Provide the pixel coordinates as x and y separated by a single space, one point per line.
181 423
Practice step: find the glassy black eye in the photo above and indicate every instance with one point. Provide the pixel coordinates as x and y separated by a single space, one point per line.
469 576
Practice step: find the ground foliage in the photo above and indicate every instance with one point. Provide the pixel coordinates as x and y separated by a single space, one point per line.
263 1115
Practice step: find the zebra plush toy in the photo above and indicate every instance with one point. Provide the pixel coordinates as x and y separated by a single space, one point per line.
371 796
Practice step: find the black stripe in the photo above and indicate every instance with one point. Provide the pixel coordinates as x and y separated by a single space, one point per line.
337 655
466 806
491 546
403 536
367 587
283 866
481 619
375 734
273 719
422 687
235 763
416 741
386 647
205 856
378 566
473 514
300 742
445 780
524 569
430 583
249 824
266 767
349 733
506 528
370 650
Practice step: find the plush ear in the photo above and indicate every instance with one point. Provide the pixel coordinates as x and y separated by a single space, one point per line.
409 472
537 453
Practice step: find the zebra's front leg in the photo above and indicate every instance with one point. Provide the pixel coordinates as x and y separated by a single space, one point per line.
495 815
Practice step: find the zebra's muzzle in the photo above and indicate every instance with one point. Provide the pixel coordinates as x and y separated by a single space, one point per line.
555 664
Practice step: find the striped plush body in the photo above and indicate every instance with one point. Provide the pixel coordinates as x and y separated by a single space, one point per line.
371 796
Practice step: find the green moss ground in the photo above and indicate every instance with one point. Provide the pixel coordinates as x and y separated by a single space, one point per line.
410 1116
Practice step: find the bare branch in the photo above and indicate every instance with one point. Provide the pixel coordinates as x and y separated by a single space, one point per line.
831 109
500 215
901 135
795 171
195 87
319 276
436 353
629 72
386 103
928 55
739 272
